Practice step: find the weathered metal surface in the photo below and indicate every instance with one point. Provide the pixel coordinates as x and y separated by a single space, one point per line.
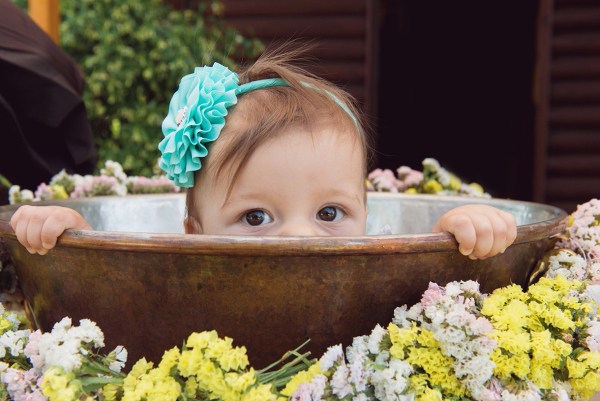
148 290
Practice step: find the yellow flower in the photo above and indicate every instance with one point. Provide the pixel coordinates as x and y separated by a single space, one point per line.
240 381
218 347
426 339
588 385
513 342
109 392
591 359
513 316
544 294
454 183
190 361
430 394
234 359
191 388
202 340
576 369
419 382
58 192
304 376
401 338
542 350
260 393
518 365
411 191
478 188
432 187
438 367
496 301
558 318
5 325
169 359
59 385
541 376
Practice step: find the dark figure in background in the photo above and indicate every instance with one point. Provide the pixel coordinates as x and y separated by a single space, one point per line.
43 120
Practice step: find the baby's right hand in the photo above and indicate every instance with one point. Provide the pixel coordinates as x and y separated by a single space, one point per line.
38 227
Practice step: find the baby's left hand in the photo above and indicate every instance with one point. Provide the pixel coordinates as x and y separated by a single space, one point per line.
480 230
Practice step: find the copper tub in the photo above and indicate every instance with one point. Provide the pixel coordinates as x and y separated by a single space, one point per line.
148 286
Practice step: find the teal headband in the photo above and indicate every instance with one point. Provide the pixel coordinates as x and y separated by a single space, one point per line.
197 115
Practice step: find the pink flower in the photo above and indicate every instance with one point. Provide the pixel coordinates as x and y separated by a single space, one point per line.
384 180
432 295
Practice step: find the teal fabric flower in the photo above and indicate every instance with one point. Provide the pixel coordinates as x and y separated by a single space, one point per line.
196 117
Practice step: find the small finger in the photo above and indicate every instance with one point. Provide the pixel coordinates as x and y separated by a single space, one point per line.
52 228
485 236
499 234
511 224
461 226
34 230
21 232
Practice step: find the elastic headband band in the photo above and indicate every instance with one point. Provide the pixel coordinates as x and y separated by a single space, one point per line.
197 115
270 82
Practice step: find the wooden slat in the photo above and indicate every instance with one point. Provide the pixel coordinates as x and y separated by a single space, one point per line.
576 67
248 8
541 90
576 92
299 27
338 49
347 72
562 5
574 141
576 43
579 165
584 188
576 19
582 116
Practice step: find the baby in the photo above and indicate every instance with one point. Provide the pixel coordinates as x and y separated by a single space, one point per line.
290 159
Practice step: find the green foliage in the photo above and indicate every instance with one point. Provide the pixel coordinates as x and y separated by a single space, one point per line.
133 54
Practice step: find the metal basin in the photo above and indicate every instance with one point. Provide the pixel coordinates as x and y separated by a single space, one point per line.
148 286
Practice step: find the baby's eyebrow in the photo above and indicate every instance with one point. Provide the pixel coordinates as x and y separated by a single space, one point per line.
240 197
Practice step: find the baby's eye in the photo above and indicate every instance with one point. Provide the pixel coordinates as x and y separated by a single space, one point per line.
257 217
330 213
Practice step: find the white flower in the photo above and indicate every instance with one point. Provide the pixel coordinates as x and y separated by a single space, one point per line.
120 355
593 292
14 341
88 332
331 356
358 374
431 163
531 393
593 338
470 286
359 347
375 339
339 382
400 318
114 169
382 358
14 194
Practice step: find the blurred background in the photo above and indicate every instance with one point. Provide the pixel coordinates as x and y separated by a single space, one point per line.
504 93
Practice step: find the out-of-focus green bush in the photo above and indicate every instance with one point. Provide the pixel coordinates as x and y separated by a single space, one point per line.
133 54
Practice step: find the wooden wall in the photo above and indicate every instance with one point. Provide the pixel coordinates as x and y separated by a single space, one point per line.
341 30
567 137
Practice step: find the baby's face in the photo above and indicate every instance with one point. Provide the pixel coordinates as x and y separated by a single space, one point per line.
295 184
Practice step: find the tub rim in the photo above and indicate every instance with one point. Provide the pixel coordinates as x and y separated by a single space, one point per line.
204 244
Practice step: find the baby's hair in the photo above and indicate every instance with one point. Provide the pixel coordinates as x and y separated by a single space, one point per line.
309 102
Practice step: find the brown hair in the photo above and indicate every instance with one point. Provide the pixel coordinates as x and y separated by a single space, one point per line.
308 102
